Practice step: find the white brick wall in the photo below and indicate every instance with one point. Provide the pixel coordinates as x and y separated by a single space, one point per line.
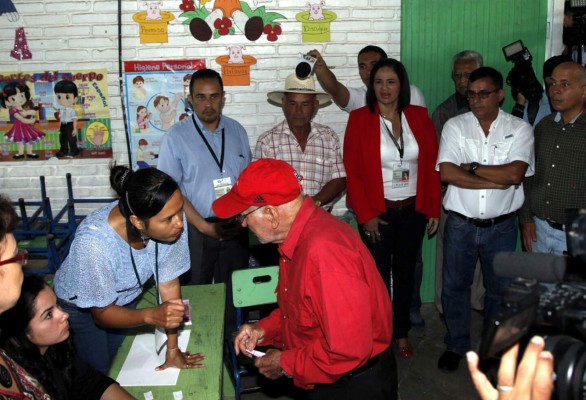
83 34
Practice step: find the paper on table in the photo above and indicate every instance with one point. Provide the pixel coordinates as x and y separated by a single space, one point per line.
139 367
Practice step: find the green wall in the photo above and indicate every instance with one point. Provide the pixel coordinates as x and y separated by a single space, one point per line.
434 30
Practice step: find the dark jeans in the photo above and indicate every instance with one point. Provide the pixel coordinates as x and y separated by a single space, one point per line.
376 383
95 345
397 251
464 243
67 142
214 261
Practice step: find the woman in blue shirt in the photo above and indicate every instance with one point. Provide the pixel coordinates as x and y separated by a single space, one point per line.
116 250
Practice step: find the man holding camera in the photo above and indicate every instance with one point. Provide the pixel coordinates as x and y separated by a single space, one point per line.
313 149
483 156
560 174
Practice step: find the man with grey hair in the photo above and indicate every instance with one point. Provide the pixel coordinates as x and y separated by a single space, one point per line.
463 64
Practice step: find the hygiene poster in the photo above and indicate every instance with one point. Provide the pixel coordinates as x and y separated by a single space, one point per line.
157 96
59 113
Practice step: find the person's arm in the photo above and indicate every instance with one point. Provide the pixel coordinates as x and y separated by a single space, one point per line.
195 219
506 174
167 315
74 121
116 392
459 176
329 82
331 190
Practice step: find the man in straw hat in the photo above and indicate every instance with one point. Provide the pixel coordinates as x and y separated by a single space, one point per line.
333 327
311 148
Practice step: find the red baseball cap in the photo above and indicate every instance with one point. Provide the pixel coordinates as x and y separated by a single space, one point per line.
264 182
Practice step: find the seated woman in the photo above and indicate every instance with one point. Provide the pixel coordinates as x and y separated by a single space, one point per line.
35 334
15 382
390 151
116 250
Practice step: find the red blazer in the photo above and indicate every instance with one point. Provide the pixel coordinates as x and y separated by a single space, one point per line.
365 193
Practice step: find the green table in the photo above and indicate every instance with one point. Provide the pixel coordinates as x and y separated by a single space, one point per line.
207 336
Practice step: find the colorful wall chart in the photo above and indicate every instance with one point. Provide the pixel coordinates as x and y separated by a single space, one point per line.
157 95
91 107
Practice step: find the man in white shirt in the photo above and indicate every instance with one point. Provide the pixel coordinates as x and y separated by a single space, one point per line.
483 156
350 98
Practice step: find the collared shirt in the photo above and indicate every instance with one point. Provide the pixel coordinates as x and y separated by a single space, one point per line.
334 309
67 115
98 270
560 173
318 164
463 141
357 98
185 157
451 107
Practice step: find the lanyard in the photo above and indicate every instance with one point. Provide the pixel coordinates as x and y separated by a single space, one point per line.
219 163
399 145
156 269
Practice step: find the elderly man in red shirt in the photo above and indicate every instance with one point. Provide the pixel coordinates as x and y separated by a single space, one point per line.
333 327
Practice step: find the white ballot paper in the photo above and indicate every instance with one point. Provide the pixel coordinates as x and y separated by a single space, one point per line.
139 367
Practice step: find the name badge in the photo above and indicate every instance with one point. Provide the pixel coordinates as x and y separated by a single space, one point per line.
222 186
400 175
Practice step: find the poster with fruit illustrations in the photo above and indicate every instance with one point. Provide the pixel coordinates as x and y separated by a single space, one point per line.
230 17
62 114
157 96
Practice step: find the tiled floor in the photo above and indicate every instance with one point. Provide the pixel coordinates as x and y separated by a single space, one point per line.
419 378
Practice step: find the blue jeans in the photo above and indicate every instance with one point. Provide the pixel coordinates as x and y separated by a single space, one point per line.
95 345
549 240
464 243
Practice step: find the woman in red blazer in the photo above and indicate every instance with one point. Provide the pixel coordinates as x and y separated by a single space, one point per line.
390 152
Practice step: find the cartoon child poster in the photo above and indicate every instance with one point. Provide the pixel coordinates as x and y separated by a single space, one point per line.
47 114
156 97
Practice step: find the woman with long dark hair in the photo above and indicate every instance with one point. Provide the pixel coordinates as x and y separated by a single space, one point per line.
390 151
35 334
116 250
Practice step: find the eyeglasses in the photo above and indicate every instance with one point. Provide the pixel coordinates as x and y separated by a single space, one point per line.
20 257
241 217
483 94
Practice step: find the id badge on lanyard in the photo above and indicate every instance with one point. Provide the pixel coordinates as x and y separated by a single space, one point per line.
222 186
400 175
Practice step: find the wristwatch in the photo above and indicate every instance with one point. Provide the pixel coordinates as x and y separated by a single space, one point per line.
318 202
473 167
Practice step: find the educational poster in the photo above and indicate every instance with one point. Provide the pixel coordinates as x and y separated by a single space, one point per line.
157 95
58 113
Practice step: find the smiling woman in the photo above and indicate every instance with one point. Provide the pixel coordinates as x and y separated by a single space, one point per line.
35 333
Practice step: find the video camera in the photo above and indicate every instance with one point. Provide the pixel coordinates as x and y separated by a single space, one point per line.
575 33
522 78
547 297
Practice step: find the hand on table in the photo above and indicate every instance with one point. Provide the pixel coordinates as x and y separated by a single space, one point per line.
178 359
532 379
168 315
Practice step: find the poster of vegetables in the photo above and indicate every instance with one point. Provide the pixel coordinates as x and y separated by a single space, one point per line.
58 113
156 95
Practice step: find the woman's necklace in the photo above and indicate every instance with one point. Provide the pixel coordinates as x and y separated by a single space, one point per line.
5 378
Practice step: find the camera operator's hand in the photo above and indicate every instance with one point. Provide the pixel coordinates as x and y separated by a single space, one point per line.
531 380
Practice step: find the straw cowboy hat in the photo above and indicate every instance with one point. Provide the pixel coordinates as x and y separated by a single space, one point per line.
296 85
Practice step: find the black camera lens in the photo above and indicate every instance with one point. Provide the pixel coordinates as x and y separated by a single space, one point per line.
569 356
303 70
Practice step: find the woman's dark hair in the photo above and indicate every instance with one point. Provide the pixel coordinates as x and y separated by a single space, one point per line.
8 217
143 193
10 90
54 369
405 91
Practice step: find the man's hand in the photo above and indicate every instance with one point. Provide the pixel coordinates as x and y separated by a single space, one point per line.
531 380
247 338
529 234
320 64
432 225
176 358
270 364
168 315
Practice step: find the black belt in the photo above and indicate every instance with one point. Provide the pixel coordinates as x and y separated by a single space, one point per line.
484 223
400 204
374 361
